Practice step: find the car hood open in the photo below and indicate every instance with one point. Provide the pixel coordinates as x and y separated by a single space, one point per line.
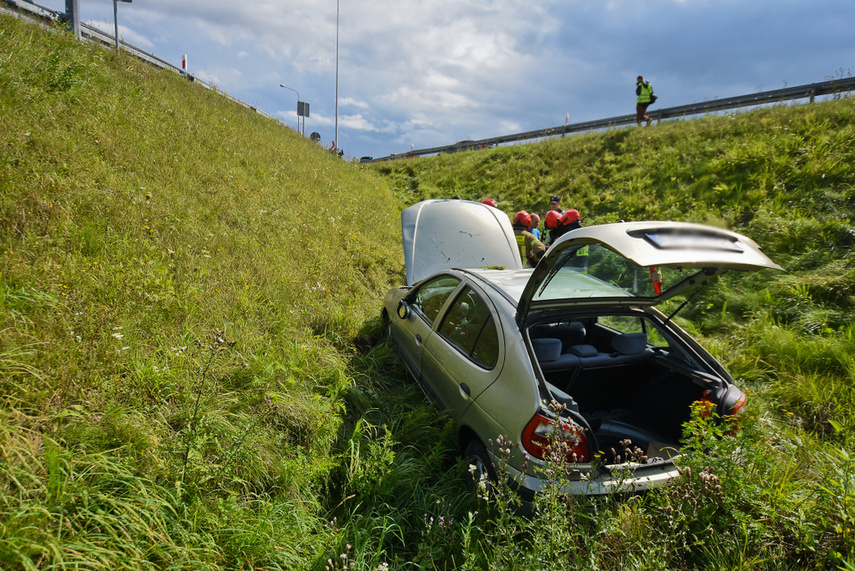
635 263
443 234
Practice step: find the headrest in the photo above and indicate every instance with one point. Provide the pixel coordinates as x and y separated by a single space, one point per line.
541 331
583 351
571 333
546 349
629 343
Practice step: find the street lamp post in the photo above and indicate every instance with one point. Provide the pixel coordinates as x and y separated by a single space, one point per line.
298 103
336 73
116 19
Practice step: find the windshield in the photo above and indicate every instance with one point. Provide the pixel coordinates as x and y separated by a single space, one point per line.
596 271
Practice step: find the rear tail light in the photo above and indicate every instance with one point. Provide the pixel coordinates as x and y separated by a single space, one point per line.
539 434
728 408
730 403
733 401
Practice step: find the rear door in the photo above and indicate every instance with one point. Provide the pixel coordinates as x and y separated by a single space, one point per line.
634 264
464 355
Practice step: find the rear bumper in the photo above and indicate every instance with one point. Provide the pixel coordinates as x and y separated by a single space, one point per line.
630 479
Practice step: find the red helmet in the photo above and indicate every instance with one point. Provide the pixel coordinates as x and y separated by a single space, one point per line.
523 218
552 219
570 216
489 202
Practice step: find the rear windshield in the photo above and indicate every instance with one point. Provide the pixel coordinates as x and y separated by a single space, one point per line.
595 271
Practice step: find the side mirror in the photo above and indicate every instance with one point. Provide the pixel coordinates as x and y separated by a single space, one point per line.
403 309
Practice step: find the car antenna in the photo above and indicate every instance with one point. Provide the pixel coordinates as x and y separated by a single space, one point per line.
687 300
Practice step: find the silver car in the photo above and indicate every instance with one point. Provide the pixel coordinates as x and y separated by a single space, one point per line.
496 345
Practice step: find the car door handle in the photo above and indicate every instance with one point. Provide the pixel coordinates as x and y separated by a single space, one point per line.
464 388
418 339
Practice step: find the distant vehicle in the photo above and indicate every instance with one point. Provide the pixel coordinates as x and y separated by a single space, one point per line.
366 159
494 347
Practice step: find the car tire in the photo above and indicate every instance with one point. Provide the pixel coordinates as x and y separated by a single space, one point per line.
476 455
387 326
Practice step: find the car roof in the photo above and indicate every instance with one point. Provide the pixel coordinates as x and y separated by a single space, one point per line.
510 282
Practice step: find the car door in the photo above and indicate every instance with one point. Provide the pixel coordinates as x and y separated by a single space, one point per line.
416 326
464 355
634 264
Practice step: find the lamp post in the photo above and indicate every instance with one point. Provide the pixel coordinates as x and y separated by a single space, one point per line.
298 103
116 19
336 73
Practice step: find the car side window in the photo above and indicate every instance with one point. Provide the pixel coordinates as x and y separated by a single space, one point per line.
634 324
431 296
469 326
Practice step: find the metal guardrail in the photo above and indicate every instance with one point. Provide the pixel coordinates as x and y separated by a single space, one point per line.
830 87
32 9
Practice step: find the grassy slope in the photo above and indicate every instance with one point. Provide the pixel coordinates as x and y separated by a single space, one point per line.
187 359
140 215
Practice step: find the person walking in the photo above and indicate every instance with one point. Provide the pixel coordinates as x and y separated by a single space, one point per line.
644 97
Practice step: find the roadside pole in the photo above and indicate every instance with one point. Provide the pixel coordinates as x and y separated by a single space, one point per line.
72 16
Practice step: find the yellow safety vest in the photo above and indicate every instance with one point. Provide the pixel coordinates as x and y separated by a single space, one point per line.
646 91
522 246
530 252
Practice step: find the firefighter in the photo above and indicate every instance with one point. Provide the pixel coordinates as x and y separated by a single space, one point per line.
531 249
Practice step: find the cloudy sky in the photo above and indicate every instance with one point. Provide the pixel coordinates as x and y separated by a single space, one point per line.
419 74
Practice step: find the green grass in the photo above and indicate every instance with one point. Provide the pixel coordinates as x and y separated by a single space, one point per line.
183 284
193 373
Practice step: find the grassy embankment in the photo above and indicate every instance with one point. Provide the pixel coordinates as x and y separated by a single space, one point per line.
184 287
189 364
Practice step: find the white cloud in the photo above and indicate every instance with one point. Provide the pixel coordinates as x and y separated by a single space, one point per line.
437 72
351 102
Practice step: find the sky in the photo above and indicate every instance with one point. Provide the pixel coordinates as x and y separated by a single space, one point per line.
420 74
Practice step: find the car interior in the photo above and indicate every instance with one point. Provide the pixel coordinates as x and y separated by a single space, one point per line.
625 385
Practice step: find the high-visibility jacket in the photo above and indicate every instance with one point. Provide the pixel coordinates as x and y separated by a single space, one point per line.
531 249
646 90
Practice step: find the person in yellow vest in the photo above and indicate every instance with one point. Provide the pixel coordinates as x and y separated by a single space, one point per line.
644 92
531 249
